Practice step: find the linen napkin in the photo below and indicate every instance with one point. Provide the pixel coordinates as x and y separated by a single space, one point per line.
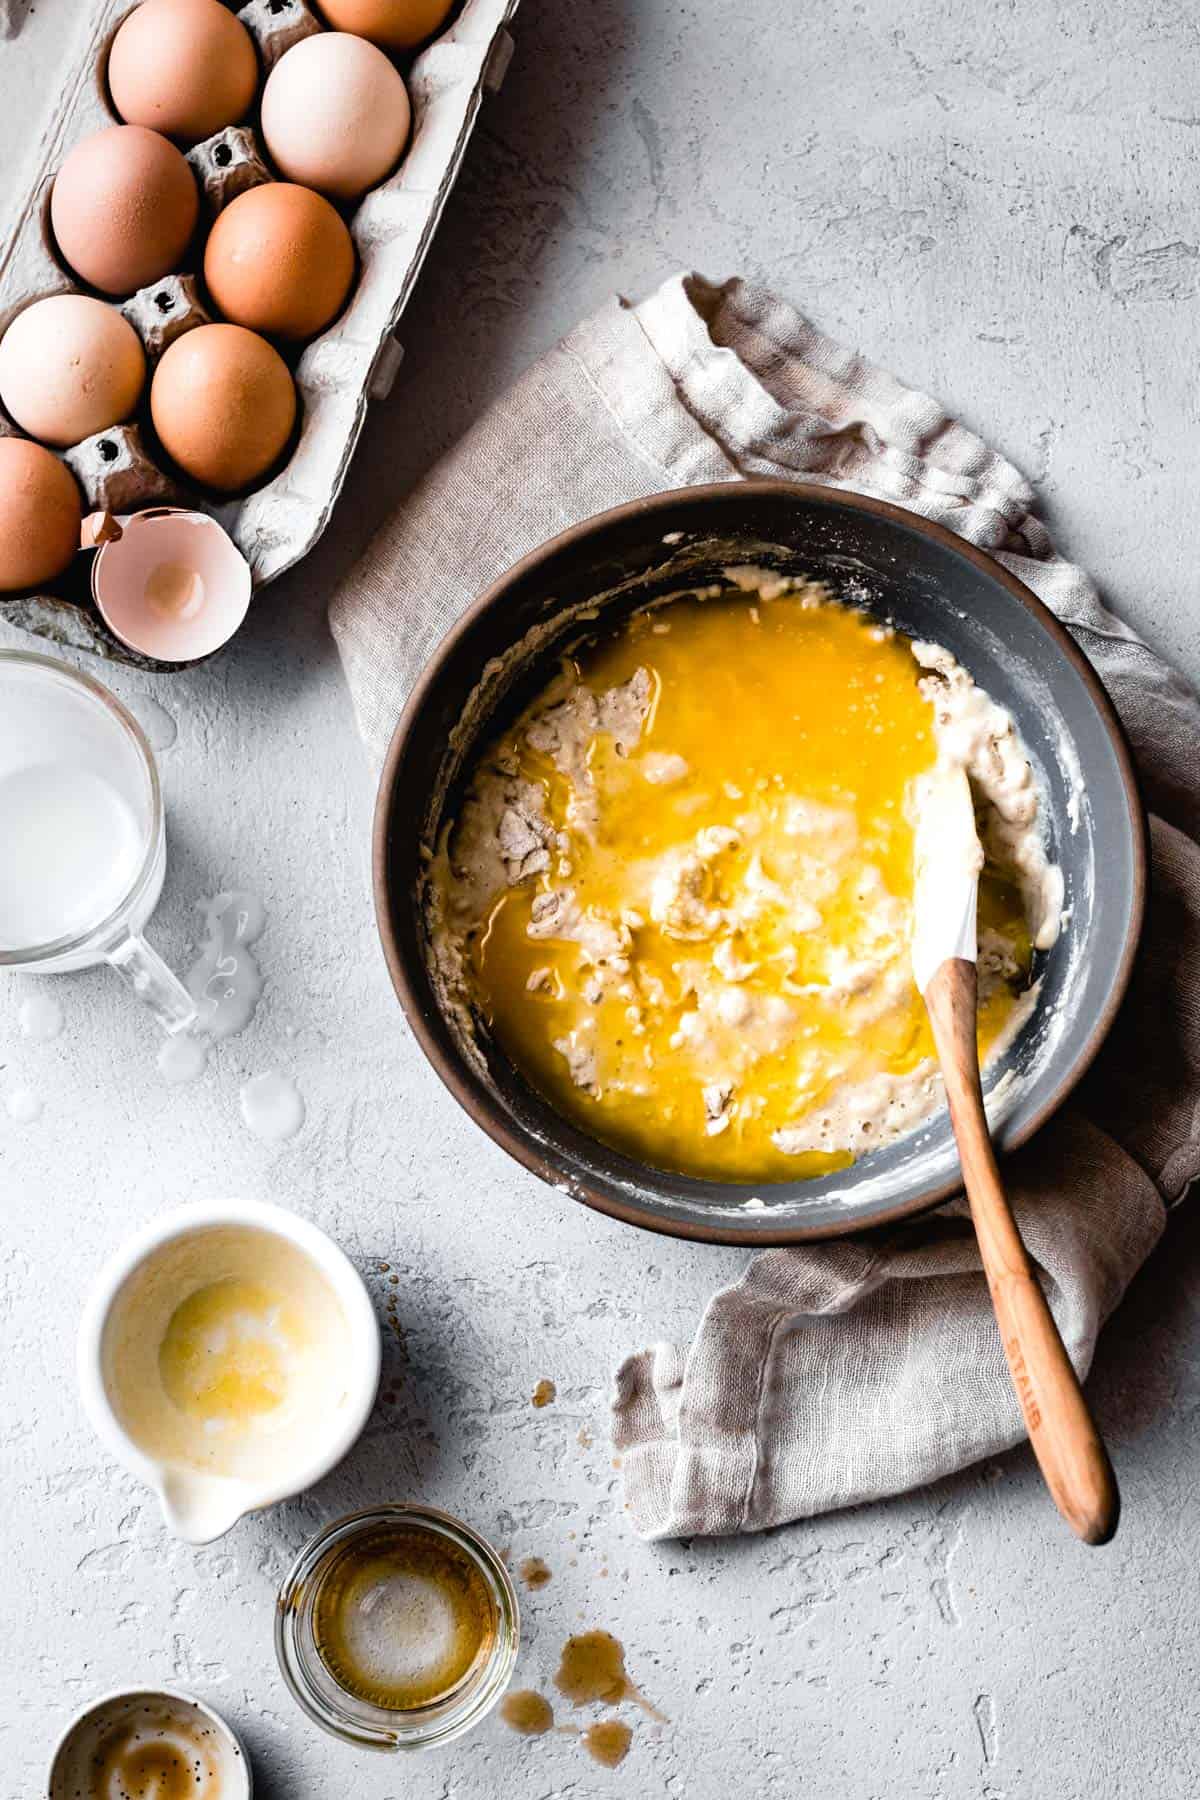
845 1371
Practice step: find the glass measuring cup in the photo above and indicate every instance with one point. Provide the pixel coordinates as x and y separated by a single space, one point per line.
82 840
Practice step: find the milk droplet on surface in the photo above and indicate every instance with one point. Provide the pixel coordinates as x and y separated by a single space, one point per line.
182 1058
272 1106
40 1017
225 981
157 723
23 1105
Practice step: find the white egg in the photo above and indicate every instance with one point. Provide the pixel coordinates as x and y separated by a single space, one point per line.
335 114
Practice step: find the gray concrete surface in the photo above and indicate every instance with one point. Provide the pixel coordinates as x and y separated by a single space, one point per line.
1000 203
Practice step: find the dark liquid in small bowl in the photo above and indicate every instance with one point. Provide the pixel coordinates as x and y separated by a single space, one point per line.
402 1617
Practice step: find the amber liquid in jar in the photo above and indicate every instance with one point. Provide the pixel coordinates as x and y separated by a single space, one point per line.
402 1617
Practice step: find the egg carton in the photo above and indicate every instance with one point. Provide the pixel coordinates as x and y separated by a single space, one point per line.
337 375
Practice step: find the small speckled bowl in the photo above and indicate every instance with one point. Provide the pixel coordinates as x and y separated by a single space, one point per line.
931 585
71 1764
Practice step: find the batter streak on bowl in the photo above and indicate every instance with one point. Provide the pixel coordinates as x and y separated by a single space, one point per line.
679 889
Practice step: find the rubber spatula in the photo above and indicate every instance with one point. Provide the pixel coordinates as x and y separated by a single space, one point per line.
1067 1445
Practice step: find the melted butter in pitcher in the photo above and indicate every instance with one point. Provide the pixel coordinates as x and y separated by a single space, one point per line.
227 1348
402 1617
222 1349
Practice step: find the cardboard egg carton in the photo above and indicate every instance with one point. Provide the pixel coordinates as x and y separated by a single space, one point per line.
337 374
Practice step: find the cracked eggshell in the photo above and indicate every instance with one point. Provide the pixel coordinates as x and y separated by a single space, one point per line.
70 366
123 208
173 586
40 515
183 67
335 114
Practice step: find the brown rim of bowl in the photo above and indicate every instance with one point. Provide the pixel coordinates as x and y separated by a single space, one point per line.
492 1117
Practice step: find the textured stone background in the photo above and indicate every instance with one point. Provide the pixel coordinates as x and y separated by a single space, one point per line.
999 203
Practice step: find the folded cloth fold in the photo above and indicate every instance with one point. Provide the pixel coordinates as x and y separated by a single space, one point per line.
843 1371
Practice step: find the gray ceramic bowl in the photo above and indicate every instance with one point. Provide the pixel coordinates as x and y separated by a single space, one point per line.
930 584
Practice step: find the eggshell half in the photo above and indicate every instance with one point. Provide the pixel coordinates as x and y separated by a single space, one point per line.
174 585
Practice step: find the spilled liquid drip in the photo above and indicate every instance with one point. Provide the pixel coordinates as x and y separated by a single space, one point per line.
272 1106
40 1018
226 984
592 1667
528 1712
182 1057
534 1572
23 1106
607 1742
225 981
158 724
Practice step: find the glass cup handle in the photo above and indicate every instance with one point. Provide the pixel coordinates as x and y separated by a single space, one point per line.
153 983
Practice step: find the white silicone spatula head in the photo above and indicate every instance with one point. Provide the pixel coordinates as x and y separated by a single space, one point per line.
948 861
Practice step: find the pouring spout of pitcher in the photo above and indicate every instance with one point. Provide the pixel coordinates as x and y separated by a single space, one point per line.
199 1508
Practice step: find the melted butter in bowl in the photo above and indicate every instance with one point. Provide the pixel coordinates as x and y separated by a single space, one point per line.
224 1353
679 889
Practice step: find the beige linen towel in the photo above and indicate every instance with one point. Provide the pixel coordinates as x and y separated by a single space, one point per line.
856 1369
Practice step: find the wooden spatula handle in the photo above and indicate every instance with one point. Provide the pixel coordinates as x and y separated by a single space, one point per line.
1073 1460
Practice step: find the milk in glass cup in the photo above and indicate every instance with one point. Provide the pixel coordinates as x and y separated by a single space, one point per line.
82 842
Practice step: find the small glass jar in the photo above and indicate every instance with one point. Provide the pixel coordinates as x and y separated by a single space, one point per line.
359 1721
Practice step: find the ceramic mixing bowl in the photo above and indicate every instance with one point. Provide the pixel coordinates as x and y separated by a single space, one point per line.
930 584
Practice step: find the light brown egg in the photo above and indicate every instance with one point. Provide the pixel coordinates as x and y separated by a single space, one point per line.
123 208
279 259
396 24
335 114
223 404
40 515
185 67
70 366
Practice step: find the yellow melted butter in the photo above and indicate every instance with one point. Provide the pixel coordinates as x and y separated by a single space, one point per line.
801 726
226 1354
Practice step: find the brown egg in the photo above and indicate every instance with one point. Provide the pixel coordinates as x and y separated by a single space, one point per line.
40 515
123 208
396 24
279 259
223 404
186 67
70 366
